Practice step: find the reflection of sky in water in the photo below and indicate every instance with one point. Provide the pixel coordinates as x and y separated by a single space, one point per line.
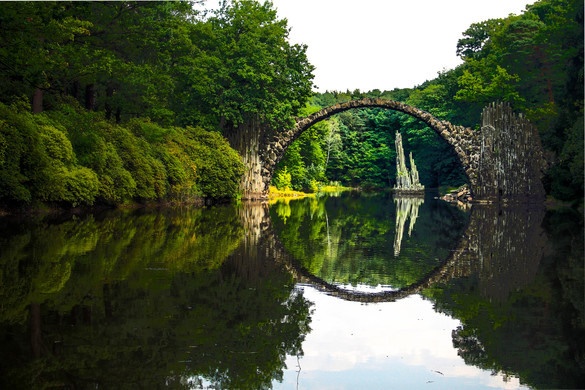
394 345
364 288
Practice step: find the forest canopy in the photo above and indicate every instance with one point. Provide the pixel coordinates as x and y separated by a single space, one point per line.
533 60
128 97
115 102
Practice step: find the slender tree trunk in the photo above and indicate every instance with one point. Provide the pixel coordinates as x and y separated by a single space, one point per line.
36 340
37 102
109 94
328 147
90 97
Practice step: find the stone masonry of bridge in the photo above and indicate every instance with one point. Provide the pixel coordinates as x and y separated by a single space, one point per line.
463 140
503 160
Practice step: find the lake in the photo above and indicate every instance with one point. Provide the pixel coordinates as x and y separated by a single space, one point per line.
341 291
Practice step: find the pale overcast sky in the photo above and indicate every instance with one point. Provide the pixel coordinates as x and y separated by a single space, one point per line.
384 44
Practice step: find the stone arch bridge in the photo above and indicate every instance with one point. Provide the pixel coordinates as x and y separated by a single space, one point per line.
503 161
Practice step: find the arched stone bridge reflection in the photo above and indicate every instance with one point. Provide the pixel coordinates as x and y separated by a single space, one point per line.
501 243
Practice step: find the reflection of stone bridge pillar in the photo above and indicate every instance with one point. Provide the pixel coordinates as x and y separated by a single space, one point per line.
510 245
259 248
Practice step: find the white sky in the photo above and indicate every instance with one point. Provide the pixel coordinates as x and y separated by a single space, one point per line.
384 44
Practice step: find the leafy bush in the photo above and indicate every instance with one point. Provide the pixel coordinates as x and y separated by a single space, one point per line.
314 186
282 180
218 167
71 155
17 143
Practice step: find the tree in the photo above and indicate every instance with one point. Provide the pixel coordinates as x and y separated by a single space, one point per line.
483 84
36 41
534 61
256 80
476 37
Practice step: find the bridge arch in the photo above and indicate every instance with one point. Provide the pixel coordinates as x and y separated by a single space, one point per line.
262 239
464 141
509 234
447 269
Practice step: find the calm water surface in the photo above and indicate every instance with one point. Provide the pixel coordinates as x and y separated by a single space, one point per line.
334 292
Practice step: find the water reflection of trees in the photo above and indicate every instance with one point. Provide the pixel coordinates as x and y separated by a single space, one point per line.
515 282
519 297
353 239
143 300
158 299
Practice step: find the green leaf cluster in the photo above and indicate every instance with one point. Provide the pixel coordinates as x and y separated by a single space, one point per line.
283 180
161 60
534 61
39 163
72 156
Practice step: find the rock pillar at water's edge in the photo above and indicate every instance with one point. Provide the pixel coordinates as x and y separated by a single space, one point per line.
246 139
511 163
406 180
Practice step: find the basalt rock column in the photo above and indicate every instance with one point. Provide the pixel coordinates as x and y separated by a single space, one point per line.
414 180
406 180
511 162
402 174
247 139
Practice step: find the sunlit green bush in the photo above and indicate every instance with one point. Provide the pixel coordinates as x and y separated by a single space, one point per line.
219 167
283 179
75 156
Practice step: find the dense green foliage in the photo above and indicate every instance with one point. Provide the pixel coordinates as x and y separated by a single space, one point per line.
251 69
171 66
160 60
533 60
177 70
73 156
